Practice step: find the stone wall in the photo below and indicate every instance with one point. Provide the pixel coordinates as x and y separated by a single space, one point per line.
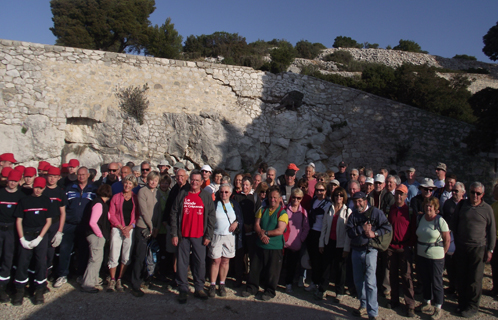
59 102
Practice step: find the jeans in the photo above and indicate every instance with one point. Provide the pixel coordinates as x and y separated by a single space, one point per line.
364 267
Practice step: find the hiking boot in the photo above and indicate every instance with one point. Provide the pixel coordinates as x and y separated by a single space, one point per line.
437 314
182 297
119 286
4 297
319 295
60 281
201 294
360 312
425 308
18 297
111 287
288 288
222 291
410 313
212 291
266 296
39 299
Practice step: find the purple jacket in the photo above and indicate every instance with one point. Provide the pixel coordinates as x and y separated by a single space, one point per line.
298 226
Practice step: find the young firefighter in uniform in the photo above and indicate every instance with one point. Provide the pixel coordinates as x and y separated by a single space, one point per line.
59 200
34 217
9 198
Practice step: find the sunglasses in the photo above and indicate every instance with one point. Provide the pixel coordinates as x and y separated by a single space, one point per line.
427 189
476 193
320 190
145 169
297 198
455 191
113 170
339 195
204 171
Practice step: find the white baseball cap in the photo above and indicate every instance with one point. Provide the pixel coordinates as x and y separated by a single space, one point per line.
206 167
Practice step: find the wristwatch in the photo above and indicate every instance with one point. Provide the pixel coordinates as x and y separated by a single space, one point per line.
266 233
376 233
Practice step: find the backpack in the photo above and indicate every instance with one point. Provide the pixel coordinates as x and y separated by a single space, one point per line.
151 257
382 242
438 243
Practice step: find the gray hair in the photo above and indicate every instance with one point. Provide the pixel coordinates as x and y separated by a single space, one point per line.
460 185
396 178
227 185
272 169
477 184
226 179
131 178
257 174
369 173
310 166
355 182
144 162
152 175
354 169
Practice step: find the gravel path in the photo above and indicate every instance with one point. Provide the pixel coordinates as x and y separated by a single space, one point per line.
160 302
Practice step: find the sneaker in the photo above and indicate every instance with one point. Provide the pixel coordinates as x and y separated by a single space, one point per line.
339 298
111 287
360 312
300 282
222 291
60 281
212 291
182 297
201 294
425 308
311 287
266 296
437 314
119 286
288 288
410 313
137 293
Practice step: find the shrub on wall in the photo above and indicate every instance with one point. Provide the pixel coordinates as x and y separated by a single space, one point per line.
410 46
465 57
308 50
133 101
346 42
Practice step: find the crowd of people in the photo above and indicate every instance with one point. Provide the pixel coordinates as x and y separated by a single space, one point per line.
368 233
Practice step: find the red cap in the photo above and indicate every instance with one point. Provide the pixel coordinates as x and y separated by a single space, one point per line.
15 175
65 168
292 166
42 165
20 169
39 182
8 157
6 171
30 172
73 163
402 188
54 171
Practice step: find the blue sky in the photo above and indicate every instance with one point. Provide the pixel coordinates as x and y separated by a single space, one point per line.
443 28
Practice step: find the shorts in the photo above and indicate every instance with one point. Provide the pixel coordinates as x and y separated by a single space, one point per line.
222 246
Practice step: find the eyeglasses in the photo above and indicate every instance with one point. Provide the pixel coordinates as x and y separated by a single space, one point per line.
455 191
145 169
475 192
297 198
113 170
204 171
224 191
320 190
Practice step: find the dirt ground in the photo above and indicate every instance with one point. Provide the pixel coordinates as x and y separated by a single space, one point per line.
68 302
